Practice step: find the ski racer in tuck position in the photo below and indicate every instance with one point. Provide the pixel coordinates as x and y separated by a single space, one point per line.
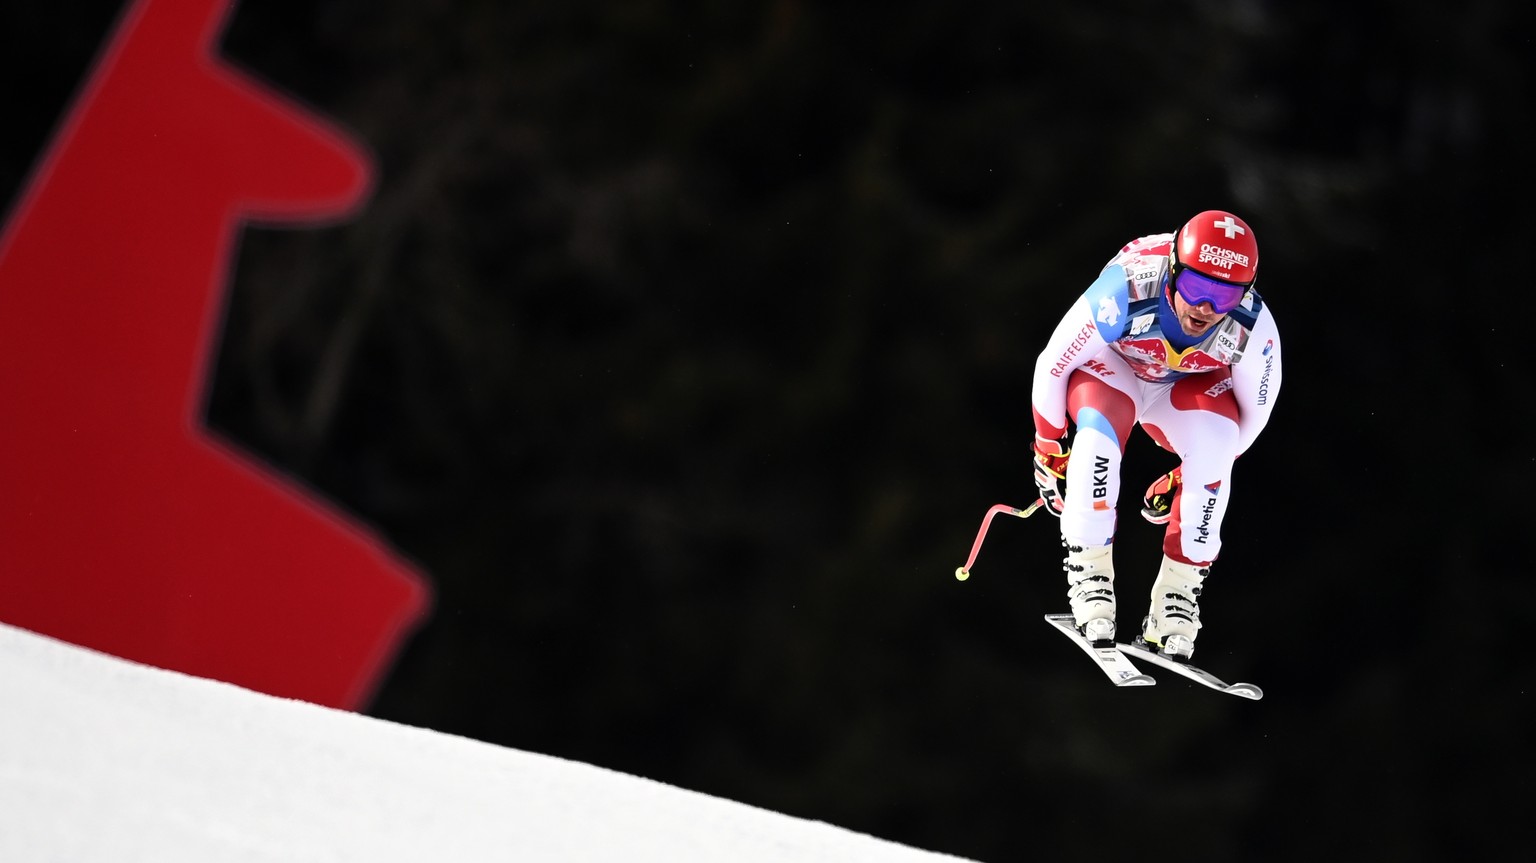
1171 336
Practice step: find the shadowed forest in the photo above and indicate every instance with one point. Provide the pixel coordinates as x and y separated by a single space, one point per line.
684 346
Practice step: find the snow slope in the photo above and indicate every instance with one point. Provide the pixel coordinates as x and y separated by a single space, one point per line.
107 760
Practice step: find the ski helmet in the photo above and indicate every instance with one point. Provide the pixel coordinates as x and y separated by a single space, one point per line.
1219 245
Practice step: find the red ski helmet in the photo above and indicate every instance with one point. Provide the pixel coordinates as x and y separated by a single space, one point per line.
1219 245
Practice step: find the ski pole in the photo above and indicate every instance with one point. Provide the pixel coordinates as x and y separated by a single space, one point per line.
964 572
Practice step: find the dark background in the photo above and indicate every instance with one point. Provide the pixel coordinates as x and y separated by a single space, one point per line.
684 345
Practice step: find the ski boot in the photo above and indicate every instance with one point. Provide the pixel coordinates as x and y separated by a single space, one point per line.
1173 620
1091 591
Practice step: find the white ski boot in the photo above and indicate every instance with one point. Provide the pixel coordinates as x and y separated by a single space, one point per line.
1173 620
1091 590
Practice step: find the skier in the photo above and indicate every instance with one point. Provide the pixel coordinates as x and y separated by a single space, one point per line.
1173 337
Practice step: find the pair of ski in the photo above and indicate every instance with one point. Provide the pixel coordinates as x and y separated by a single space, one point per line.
1115 661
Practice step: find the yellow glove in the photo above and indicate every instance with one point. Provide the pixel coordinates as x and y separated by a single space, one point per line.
1051 472
1157 506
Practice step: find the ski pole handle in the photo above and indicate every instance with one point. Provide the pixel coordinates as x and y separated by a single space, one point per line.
964 572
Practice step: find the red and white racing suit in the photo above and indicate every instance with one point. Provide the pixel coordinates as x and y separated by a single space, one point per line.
1119 358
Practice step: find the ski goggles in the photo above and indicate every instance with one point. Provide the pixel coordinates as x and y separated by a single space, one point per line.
1197 289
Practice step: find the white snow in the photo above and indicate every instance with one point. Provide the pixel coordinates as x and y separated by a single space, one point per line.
107 760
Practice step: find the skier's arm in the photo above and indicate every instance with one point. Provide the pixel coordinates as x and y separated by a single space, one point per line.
1256 379
1093 321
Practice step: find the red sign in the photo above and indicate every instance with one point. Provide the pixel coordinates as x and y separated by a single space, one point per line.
124 525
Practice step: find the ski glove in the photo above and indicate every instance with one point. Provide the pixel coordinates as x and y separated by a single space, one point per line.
1157 506
1051 472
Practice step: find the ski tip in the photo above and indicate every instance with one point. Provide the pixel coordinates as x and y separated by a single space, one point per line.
1246 690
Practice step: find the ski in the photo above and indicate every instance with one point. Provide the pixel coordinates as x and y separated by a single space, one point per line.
1120 670
1141 650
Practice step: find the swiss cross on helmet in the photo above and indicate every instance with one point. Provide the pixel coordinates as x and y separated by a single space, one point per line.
1218 245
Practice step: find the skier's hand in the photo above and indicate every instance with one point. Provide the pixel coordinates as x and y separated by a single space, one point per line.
1157 506
1051 472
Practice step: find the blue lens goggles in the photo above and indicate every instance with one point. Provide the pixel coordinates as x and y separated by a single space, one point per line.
1197 289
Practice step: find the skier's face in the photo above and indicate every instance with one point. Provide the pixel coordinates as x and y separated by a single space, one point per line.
1202 300
1195 320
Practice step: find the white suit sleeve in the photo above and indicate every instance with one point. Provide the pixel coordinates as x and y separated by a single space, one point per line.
1097 318
1256 379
